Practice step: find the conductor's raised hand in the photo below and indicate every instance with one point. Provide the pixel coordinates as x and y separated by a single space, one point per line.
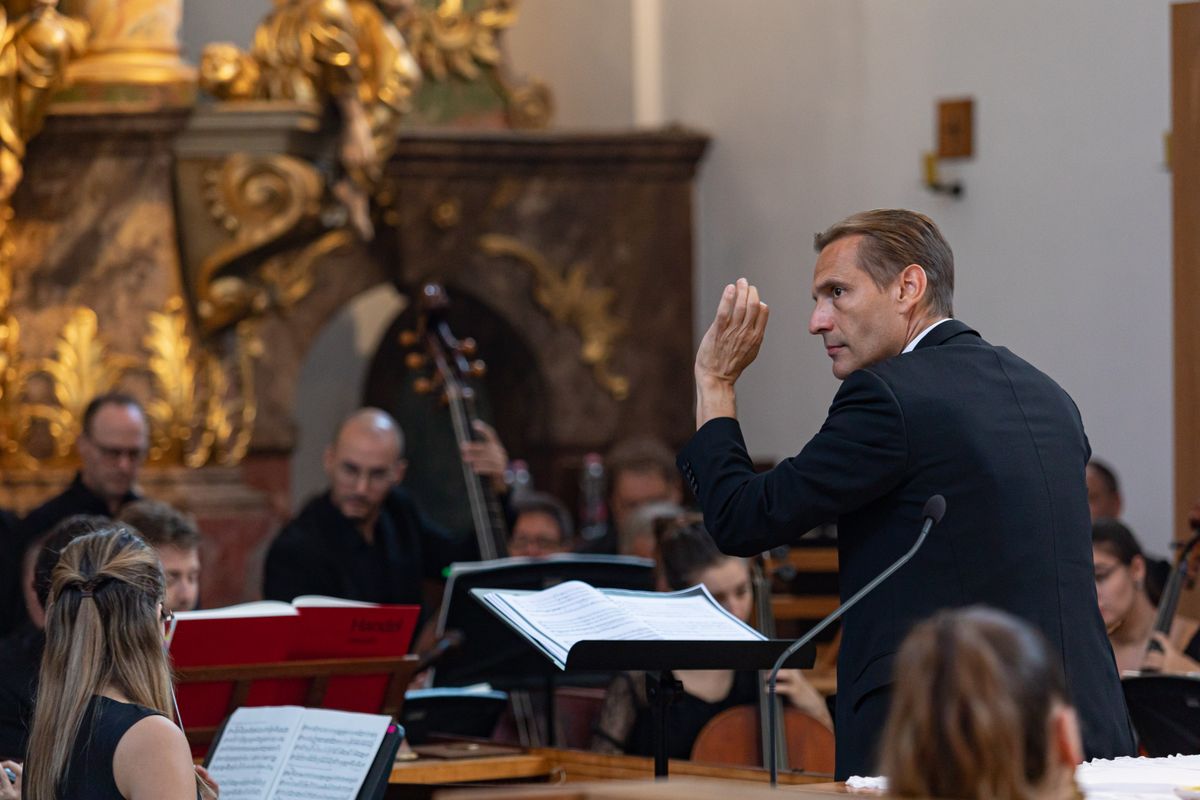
732 341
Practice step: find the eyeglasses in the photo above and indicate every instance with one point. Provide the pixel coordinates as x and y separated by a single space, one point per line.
117 453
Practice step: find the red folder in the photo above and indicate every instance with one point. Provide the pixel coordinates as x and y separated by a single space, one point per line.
271 632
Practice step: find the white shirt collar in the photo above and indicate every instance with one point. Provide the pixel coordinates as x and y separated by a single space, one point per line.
917 339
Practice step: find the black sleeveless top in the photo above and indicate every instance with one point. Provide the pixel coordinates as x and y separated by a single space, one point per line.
686 715
90 774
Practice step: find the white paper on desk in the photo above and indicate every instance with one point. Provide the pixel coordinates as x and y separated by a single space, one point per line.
1129 778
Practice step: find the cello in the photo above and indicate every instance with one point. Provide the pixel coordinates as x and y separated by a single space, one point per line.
1181 573
736 735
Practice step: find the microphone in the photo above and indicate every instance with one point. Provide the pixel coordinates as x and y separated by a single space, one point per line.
934 510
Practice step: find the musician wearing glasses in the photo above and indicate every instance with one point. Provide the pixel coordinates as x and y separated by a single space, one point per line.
112 447
1142 638
365 538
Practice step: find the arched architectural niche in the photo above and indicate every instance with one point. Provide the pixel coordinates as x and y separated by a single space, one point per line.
512 395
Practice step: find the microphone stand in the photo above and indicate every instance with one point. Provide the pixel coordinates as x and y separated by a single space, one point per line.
935 507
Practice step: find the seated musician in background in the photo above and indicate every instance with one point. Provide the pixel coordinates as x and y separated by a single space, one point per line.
176 540
542 526
365 538
979 710
21 650
1128 611
688 556
112 446
637 536
641 470
1104 491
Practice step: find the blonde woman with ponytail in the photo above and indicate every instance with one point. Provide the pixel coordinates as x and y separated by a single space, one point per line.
102 727
980 710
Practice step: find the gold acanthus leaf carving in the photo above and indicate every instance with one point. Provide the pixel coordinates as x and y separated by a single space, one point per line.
569 300
81 368
193 419
173 408
197 414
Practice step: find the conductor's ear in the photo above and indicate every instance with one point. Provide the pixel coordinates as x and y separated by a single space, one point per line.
911 284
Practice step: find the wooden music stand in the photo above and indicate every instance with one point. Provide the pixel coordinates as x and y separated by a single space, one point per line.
318 674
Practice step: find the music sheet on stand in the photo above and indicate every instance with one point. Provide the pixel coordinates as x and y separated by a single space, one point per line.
292 753
559 617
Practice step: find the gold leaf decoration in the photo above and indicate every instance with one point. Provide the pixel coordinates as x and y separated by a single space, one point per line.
569 300
80 369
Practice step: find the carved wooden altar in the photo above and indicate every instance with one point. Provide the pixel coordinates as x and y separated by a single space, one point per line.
571 254
191 253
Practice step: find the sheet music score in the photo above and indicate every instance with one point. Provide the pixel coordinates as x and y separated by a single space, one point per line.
557 618
293 753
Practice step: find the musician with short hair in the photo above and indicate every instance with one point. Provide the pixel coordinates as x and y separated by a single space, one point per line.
1129 615
365 538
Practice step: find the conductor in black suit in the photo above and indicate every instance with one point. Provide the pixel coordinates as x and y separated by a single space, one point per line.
926 407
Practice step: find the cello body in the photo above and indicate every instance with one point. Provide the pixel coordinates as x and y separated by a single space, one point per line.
734 737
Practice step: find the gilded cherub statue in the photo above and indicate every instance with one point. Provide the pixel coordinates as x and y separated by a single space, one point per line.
34 51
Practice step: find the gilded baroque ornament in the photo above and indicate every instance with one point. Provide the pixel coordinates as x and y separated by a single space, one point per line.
273 208
565 295
196 417
452 42
34 51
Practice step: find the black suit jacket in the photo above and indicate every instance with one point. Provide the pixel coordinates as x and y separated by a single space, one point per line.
1005 445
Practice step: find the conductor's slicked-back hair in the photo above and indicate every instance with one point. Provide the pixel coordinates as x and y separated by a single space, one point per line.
893 238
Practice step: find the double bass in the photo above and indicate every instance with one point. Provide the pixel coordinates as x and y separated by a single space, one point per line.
1168 604
736 735
454 363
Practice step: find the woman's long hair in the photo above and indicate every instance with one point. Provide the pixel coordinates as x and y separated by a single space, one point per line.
102 630
971 708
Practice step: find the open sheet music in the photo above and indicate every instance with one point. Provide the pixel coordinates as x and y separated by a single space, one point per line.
293 753
555 619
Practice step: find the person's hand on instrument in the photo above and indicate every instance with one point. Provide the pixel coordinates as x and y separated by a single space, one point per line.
487 456
10 788
1163 656
209 790
791 685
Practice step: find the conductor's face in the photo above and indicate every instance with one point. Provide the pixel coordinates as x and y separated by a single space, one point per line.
860 323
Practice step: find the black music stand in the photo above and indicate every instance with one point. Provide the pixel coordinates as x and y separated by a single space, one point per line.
1165 710
659 658
495 653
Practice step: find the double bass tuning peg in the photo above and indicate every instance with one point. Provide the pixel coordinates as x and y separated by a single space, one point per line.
468 347
422 386
414 360
408 339
478 368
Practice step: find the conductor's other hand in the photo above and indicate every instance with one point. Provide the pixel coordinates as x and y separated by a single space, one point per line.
732 341
486 455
